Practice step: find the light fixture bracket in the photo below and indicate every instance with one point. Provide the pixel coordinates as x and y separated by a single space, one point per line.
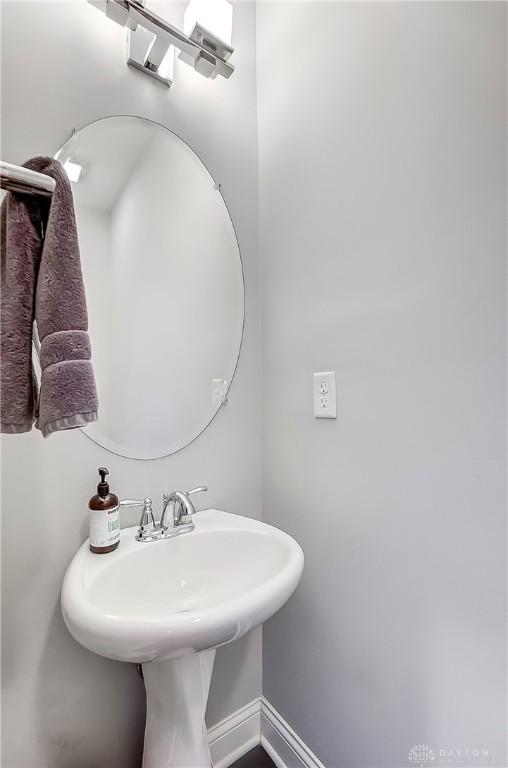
151 37
146 52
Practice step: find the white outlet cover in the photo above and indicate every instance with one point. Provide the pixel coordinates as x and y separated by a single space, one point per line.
325 395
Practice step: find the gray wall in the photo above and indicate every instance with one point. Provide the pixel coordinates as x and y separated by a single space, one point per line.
382 214
383 232
63 65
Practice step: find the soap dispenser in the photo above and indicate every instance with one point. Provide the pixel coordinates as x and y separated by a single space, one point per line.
104 518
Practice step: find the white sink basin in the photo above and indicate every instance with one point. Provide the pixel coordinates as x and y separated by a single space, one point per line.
150 601
182 597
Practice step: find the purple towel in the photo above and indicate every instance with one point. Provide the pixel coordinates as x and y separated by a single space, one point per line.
42 281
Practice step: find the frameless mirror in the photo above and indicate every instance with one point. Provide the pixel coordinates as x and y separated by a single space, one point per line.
164 284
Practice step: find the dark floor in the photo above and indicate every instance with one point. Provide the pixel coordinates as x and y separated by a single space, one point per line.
256 758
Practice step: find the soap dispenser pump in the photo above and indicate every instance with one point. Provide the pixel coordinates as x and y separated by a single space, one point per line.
104 517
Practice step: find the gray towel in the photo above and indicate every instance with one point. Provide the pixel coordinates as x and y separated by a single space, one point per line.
42 281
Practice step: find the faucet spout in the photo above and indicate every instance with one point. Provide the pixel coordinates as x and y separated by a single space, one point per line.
183 508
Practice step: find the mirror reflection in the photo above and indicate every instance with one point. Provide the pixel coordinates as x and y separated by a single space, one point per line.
164 284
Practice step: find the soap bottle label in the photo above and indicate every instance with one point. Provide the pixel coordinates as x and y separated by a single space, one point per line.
104 527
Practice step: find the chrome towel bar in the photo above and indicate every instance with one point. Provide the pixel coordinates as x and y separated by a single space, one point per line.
15 178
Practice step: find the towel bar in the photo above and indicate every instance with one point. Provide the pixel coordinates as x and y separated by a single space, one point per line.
14 178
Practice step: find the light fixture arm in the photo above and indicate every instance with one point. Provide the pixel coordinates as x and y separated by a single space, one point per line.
208 55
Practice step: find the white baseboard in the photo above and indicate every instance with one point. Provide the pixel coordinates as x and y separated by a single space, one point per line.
284 746
235 735
259 723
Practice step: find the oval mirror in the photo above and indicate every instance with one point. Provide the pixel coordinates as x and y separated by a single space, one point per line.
164 284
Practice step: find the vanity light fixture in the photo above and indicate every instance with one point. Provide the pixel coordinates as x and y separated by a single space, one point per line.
209 23
73 170
205 42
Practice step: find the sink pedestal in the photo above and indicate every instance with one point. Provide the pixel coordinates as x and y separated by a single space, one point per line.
228 576
176 696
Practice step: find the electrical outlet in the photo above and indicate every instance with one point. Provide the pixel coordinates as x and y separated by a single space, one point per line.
325 397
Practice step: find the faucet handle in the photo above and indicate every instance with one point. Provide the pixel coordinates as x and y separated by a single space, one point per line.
201 489
147 525
135 503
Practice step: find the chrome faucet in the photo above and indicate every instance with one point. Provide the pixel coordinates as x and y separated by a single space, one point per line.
148 529
183 509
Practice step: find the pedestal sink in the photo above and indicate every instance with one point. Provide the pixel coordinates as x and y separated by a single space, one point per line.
168 604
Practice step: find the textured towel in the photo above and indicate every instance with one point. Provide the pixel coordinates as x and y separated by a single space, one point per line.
42 281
